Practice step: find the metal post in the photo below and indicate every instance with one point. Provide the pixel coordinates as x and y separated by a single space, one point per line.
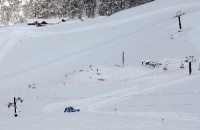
15 107
179 19
179 14
123 58
190 67
199 66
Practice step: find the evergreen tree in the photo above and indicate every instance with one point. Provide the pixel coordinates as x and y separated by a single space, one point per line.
13 11
10 12
89 8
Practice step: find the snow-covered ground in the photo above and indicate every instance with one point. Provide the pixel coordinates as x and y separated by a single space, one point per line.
79 64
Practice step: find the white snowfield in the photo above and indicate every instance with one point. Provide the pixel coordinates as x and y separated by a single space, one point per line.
79 64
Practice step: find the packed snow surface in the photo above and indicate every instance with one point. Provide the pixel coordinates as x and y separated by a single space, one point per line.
79 64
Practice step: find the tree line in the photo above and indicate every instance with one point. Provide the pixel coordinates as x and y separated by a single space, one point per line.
16 11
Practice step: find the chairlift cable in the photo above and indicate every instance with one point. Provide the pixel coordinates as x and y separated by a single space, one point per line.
85 50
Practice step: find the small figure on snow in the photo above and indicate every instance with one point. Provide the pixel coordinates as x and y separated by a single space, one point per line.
186 60
165 68
90 67
162 120
143 62
182 66
115 111
172 36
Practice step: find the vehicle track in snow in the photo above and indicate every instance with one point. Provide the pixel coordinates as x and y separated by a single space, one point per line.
92 103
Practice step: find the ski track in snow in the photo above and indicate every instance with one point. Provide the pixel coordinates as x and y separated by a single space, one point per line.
14 37
114 97
8 46
96 102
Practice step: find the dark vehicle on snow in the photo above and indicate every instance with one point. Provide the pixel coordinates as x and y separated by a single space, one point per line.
71 109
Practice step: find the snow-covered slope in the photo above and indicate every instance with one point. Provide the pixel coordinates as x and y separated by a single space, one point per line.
79 64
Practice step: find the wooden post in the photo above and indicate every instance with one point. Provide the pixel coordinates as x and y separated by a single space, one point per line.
123 58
